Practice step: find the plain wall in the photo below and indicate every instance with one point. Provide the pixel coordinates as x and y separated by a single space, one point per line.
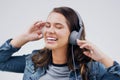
101 19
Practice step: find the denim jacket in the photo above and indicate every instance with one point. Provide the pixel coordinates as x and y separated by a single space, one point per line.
24 64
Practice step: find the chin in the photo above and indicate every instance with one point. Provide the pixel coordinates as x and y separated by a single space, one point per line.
50 46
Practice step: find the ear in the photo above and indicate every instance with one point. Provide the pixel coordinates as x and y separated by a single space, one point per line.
74 36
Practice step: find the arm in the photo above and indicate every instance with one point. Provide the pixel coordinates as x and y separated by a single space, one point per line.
32 34
110 68
17 63
95 53
9 62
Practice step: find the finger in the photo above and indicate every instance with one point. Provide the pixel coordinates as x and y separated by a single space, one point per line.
80 42
40 36
33 27
86 45
38 32
37 37
40 25
87 53
36 22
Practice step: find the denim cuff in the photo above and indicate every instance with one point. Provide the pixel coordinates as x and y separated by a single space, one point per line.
115 69
7 46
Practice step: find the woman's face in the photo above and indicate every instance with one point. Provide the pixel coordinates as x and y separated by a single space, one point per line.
56 32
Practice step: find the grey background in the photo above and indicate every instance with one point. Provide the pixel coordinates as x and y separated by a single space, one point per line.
101 19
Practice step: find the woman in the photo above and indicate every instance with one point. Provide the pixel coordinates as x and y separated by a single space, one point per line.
59 59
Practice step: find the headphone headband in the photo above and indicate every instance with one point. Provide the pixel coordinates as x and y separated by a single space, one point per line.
80 19
74 34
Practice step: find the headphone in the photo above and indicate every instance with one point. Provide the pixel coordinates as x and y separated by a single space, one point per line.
73 40
74 34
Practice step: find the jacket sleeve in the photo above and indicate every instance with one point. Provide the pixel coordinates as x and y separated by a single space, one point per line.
8 62
99 72
113 72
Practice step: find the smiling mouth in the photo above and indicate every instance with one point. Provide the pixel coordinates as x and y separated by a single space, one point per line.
51 39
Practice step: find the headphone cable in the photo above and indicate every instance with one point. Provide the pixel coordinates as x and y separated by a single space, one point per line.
73 59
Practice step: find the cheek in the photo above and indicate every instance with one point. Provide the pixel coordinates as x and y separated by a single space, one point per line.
64 35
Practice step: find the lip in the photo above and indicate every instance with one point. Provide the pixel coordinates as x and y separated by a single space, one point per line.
50 39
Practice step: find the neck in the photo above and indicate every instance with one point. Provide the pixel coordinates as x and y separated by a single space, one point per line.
59 56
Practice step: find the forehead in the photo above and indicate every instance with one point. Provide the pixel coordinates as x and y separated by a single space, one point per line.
56 18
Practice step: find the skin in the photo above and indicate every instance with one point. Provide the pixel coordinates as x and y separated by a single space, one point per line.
95 53
57 28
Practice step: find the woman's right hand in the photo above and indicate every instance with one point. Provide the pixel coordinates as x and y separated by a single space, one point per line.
32 34
35 31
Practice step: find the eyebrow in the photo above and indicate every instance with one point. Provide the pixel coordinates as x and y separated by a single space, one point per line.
54 23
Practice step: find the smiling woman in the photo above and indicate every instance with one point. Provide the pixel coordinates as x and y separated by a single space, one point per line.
60 59
55 24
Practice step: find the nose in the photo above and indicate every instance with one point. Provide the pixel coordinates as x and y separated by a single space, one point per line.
51 30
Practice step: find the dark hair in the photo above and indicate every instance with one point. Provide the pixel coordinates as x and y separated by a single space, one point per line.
43 57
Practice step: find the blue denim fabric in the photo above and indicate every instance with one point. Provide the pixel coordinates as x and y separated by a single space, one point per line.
24 64
9 62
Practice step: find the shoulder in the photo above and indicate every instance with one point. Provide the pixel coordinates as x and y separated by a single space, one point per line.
29 62
32 53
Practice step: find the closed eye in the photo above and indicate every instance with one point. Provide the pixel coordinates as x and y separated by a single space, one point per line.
59 26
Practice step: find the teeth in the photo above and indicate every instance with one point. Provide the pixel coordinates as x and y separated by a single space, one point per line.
50 38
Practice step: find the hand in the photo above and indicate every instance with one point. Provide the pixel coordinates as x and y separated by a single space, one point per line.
92 51
32 34
35 31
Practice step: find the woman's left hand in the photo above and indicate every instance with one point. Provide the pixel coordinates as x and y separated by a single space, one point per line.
92 52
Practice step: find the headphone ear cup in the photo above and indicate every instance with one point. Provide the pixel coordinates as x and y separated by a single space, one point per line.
73 37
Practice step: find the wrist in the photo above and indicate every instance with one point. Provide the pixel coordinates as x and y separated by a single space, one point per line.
19 41
107 61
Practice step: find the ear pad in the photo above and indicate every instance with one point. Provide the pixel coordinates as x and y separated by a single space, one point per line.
74 36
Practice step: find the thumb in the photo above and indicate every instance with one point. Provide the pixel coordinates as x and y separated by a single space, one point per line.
40 36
